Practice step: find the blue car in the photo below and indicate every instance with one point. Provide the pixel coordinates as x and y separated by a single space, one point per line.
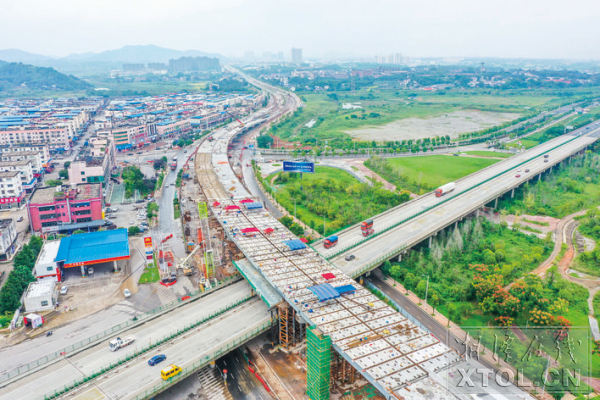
156 359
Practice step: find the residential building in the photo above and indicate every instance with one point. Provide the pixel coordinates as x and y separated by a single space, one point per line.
66 208
35 156
157 66
40 296
296 56
134 67
11 190
187 64
8 238
42 148
56 138
25 170
96 168
169 128
46 268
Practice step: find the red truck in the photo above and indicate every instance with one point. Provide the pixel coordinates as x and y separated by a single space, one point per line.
330 241
366 227
174 165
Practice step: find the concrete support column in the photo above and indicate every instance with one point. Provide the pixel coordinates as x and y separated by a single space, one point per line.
83 270
477 213
399 257
115 266
540 176
550 169
496 203
512 193
430 240
456 225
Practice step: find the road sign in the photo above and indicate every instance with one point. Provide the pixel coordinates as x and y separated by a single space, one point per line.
148 241
296 166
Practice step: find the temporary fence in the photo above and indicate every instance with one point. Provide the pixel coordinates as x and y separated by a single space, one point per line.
111 331
129 357
384 230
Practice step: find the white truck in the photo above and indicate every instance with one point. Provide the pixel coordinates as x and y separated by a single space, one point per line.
447 188
117 343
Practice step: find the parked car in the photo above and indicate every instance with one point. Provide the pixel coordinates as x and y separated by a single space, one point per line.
156 359
90 270
127 293
20 219
131 222
144 223
139 201
64 290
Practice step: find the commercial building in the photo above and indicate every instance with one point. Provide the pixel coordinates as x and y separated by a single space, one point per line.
11 190
46 268
40 296
35 156
8 238
296 56
66 208
25 170
96 168
169 128
87 249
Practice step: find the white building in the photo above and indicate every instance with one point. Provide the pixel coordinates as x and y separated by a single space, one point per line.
41 296
42 148
25 170
11 189
34 155
8 237
45 266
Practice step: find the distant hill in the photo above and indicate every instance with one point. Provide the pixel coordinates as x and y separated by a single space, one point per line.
16 55
16 75
137 54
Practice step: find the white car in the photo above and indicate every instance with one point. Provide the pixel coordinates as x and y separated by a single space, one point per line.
127 293
131 222
90 271
64 290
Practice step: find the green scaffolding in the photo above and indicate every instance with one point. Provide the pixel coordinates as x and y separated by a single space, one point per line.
318 364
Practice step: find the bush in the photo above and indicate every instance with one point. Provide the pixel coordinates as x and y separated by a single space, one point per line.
20 276
133 230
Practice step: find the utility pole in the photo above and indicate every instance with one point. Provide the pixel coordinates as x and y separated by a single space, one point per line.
426 289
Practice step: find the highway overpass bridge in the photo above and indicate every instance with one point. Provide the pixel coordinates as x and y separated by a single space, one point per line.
404 226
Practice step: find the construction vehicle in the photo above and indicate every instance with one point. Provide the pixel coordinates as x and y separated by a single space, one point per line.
330 241
187 268
189 247
447 188
118 343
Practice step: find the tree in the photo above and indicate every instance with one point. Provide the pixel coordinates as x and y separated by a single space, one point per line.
63 173
53 182
264 141
133 230
67 164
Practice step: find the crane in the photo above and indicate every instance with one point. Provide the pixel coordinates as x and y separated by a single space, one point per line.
184 265
234 117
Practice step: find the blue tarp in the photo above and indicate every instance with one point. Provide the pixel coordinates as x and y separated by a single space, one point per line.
324 292
294 244
333 238
253 206
345 289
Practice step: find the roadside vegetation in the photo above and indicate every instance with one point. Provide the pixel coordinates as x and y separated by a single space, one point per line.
331 194
20 276
134 180
425 173
566 190
492 154
150 275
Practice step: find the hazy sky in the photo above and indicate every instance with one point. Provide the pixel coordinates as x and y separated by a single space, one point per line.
418 28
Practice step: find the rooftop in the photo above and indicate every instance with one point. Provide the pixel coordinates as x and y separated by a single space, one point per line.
48 252
20 153
93 248
15 163
40 288
4 223
84 191
8 174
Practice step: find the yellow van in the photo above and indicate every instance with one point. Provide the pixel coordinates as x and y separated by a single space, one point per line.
170 371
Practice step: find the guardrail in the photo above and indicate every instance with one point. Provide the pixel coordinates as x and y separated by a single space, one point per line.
204 361
359 242
131 356
111 331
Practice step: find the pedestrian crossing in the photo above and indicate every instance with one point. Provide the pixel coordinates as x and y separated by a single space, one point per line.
213 385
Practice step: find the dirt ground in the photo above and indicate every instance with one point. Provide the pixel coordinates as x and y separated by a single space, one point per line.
452 124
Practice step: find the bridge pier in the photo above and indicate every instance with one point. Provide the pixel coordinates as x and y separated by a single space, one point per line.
399 257
540 176
430 240
512 193
496 203
455 224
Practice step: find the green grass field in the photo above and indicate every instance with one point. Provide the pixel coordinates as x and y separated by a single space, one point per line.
491 154
150 275
437 170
